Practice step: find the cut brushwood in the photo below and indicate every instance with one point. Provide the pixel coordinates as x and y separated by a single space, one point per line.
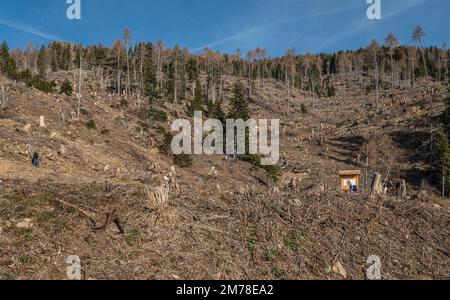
80 210
110 217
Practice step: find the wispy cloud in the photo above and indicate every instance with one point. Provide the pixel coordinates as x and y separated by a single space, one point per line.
405 6
234 37
265 27
28 29
365 24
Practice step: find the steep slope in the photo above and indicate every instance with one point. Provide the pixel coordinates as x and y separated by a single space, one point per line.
108 195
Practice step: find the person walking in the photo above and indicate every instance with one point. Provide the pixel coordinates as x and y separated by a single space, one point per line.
35 160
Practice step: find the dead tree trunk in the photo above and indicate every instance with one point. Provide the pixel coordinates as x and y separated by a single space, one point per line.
175 88
376 185
403 191
128 70
3 98
63 117
443 180
366 177
377 82
159 75
79 91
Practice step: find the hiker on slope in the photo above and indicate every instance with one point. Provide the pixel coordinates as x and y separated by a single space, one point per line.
35 160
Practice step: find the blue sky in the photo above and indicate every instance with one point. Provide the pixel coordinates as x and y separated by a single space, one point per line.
225 25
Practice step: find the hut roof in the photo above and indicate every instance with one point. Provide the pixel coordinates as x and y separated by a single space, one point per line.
350 173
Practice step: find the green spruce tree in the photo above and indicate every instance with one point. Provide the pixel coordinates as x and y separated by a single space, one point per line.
217 112
7 64
149 80
443 162
239 103
41 61
66 88
447 115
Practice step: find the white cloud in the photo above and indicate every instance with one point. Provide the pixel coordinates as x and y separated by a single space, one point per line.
30 30
265 27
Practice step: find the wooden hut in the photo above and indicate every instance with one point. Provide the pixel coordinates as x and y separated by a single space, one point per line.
349 176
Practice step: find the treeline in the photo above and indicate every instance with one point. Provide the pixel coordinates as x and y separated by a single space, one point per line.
152 70
8 67
157 73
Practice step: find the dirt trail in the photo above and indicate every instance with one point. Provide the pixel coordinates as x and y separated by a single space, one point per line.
20 170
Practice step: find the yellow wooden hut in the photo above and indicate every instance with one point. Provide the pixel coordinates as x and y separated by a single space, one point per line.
347 177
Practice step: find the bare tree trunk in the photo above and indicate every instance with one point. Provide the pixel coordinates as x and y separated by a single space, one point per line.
128 72
293 81
363 91
403 191
213 93
79 91
392 73
159 70
443 180
289 97
118 73
377 79
135 73
141 75
313 93
367 172
139 94
221 88
102 80
185 89
175 89
376 185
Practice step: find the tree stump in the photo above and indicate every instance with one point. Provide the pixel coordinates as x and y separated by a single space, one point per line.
376 185
42 122
3 98
403 192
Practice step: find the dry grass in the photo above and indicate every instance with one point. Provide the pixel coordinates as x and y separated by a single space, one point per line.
158 201
200 227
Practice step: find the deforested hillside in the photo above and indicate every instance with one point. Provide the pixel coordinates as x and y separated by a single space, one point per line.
109 190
